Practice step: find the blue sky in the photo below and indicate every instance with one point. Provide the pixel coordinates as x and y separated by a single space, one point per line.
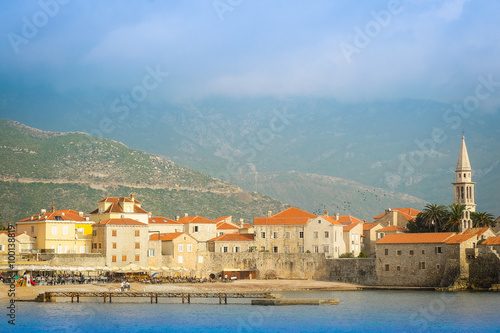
417 49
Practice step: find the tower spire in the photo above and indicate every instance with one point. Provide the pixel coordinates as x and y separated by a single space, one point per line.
464 187
463 163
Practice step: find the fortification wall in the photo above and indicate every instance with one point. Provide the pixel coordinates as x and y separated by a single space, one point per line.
354 270
484 271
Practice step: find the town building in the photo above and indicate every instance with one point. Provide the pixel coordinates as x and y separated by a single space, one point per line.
232 243
58 231
25 244
352 233
397 216
120 208
393 229
370 237
178 251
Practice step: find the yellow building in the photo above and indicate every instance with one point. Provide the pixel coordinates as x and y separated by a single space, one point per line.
61 231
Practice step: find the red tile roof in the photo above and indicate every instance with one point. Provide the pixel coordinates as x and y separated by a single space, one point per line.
221 219
331 219
348 219
121 222
7 233
349 227
293 212
233 238
475 231
408 213
416 238
64 215
491 241
225 226
290 216
393 228
458 239
166 236
161 220
194 219
116 208
369 226
121 199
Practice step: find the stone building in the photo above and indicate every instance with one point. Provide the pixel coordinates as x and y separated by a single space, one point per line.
58 231
178 251
25 244
414 259
397 216
200 228
232 243
123 241
393 229
297 231
370 237
352 233
120 207
159 224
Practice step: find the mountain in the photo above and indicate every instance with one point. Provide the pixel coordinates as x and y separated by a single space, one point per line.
40 169
317 193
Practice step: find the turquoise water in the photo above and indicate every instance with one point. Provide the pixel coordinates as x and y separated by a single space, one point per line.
358 311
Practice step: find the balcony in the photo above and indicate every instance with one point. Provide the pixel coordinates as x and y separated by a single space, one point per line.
471 253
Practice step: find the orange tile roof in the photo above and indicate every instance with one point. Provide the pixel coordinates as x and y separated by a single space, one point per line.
491 241
225 226
121 199
194 219
460 238
415 238
161 220
233 238
349 227
369 226
393 228
64 215
475 231
408 213
7 233
281 221
166 236
348 219
221 219
331 219
125 221
293 212
246 225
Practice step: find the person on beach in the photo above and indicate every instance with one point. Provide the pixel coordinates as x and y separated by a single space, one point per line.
123 285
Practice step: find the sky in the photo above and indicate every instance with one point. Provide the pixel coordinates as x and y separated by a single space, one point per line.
353 51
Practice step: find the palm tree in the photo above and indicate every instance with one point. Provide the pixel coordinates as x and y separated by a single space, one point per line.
454 217
434 215
482 219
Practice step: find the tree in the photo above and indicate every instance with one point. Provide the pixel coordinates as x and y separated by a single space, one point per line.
346 255
362 254
454 217
418 225
482 219
435 215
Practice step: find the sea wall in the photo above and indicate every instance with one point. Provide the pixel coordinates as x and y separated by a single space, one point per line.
484 271
89 259
353 270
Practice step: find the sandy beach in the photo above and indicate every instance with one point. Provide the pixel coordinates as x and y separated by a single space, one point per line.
30 293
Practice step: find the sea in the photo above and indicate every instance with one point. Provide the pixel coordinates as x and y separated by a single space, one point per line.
358 311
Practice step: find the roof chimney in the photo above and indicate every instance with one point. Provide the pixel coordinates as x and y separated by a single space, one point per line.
80 213
241 223
43 211
53 208
177 217
326 213
269 213
364 221
132 196
337 216
186 214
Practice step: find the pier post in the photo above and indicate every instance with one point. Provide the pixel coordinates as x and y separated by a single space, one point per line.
220 298
109 297
225 298
104 297
72 295
151 298
156 298
78 298
182 298
189 298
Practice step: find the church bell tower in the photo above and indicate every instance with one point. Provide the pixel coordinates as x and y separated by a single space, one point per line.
464 187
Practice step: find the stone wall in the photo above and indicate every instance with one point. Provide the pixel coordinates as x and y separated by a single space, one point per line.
354 270
484 271
90 260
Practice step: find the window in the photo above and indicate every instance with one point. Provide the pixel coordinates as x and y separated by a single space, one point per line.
54 230
439 249
326 248
100 245
262 248
114 245
423 251
190 248
94 245
411 252
421 265
287 249
381 235
65 230
327 234
399 252
301 234
128 209
137 257
124 258
180 248
180 260
151 252
438 266
275 234
113 233
386 268
137 245
220 233
398 268
315 249
94 233
386 252
287 234
316 234
137 233
262 235
275 249
195 228
200 259
301 249
236 249
32 229
2 247
225 249
113 259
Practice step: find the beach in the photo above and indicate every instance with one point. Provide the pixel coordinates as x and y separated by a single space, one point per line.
30 293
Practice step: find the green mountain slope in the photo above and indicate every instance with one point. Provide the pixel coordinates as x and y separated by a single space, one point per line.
40 169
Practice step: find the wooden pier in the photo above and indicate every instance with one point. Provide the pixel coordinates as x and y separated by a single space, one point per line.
153 296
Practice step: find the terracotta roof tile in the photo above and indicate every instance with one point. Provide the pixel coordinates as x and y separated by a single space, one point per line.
233 238
415 238
221 219
350 226
225 226
121 222
166 236
475 231
63 215
369 226
121 199
331 219
393 228
161 220
293 212
491 241
458 239
194 219
281 221
408 213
